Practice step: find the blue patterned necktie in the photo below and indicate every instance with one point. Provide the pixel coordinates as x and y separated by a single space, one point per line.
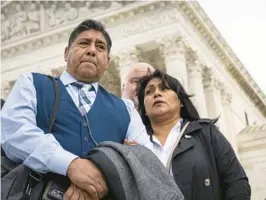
83 94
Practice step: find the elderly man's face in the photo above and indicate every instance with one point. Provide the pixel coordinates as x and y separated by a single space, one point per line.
130 87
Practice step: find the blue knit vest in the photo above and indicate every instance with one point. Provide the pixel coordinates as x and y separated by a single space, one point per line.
108 117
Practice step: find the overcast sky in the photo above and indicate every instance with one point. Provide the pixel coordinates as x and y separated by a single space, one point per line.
243 25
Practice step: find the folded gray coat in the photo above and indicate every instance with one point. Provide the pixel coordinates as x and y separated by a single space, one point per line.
134 173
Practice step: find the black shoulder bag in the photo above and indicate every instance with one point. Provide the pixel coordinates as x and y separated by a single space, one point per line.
18 182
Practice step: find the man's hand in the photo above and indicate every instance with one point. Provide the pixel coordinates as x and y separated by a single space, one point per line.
85 175
75 193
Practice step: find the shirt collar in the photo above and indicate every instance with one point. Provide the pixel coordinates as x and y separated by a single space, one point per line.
176 129
67 79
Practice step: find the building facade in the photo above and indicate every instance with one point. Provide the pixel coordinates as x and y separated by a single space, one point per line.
174 36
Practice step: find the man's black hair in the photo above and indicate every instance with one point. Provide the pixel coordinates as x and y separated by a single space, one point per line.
88 25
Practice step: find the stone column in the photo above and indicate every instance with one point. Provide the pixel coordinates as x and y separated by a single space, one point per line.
42 17
5 89
46 70
126 60
195 84
114 81
212 87
227 117
57 71
173 51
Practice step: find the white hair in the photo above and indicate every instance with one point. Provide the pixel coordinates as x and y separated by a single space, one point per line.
137 66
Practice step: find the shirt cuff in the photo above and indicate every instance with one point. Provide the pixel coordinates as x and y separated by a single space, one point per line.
60 161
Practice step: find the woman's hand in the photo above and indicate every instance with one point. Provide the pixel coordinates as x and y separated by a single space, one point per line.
132 143
86 176
75 193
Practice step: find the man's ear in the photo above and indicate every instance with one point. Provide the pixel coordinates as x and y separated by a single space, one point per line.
108 62
66 53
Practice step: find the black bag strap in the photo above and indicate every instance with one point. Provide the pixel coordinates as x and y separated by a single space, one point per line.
56 103
35 177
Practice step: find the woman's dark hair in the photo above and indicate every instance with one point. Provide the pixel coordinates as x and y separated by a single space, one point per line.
187 111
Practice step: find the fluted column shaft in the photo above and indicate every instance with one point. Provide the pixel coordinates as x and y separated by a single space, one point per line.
212 87
229 120
5 89
172 49
195 83
126 60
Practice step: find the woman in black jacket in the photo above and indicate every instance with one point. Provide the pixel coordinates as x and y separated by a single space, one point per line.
204 164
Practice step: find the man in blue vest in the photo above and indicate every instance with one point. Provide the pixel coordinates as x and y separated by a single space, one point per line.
87 115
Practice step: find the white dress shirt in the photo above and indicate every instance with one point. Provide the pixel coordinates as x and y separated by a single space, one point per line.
26 143
163 152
